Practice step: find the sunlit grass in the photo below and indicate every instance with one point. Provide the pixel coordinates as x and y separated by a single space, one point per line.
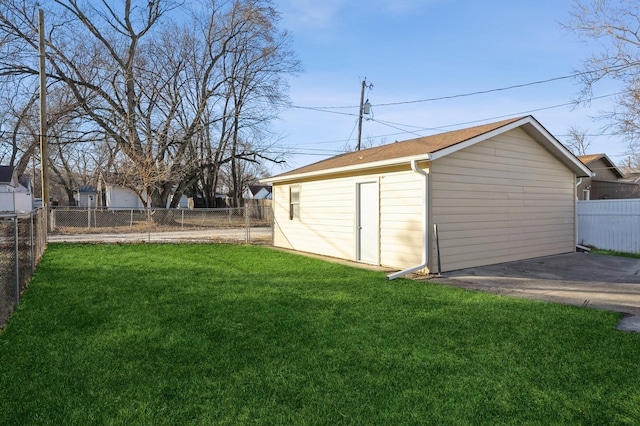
223 334
616 253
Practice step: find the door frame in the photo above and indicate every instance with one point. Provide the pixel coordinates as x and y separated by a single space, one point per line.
358 221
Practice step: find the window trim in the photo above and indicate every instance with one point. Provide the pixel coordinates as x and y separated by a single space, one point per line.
294 206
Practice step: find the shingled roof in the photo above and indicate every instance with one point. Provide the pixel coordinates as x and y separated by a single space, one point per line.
429 148
408 148
586 159
590 158
6 174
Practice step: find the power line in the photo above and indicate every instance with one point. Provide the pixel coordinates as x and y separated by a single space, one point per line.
388 124
461 95
444 127
503 116
523 112
325 109
479 92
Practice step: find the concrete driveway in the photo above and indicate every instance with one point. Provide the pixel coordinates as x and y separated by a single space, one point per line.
582 279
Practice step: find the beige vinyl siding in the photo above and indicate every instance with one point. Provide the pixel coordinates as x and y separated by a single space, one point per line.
504 199
401 219
328 217
325 226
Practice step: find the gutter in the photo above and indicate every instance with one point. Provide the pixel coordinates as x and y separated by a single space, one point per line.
425 227
345 169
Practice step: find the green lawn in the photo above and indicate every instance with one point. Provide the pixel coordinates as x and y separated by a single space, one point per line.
222 334
616 253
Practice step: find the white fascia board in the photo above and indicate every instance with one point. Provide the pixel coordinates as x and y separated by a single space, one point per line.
466 144
613 165
553 144
546 139
347 169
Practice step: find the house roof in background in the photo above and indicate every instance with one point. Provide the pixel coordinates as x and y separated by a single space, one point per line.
432 147
590 158
257 188
6 174
586 159
633 177
87 189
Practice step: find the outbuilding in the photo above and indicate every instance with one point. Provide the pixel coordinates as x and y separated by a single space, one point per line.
15 194
478 196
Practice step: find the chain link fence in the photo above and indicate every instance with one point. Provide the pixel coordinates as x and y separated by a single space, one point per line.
23 240
23 237
251 224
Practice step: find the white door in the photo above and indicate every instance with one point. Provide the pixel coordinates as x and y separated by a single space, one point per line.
367 223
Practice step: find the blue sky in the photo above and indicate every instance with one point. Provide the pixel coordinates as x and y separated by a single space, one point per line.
413 50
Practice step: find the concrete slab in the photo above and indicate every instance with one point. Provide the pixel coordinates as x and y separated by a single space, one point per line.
582 279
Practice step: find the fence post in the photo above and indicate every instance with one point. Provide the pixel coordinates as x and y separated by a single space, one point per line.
247 222
16 263
88 217
32 242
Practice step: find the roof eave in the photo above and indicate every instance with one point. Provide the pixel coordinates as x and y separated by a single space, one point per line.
529 124
540 134
346 169
560 151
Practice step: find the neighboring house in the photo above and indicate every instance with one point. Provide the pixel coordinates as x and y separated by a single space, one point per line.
118 197
257 192
633 177
87 197
499 192
608 181
15 197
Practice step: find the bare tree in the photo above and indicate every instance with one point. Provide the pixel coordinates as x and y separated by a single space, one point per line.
156 90
19 127
612 28
577 141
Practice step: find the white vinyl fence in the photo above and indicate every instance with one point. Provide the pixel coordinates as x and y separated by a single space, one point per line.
610 224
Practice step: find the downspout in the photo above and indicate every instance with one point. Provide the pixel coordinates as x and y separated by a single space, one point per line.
425 227
575 213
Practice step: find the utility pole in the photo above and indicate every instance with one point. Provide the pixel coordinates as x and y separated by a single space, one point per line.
363 106
44 143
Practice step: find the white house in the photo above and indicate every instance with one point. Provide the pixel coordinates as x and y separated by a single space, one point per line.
87 197
118 197
14 196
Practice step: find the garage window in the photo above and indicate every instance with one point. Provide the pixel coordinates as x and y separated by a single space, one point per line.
294 202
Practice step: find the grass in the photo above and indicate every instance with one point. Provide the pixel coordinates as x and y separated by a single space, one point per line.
615 253
222 334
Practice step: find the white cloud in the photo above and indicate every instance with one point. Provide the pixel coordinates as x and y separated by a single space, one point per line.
310 14
402 7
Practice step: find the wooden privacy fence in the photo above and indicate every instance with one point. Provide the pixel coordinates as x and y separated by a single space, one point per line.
610 224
